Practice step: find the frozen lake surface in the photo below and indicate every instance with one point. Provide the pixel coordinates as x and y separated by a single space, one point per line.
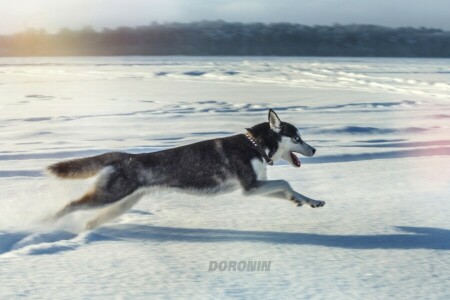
381 128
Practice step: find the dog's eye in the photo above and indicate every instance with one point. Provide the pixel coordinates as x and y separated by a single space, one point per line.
296 139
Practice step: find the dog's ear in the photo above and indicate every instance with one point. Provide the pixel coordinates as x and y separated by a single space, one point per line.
274 121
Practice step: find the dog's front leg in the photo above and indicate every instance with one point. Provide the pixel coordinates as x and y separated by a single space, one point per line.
300 199
280 189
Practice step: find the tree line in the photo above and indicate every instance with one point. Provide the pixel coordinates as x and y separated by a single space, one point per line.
237 39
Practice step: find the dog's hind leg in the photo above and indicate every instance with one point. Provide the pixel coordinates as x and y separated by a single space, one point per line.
115 210
90 200
114 184
84 202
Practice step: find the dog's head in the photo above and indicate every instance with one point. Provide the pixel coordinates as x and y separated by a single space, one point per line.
289 141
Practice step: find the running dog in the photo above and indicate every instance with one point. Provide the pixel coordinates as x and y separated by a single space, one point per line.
204 168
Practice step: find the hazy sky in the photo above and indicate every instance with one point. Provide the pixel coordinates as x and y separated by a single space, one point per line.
16 15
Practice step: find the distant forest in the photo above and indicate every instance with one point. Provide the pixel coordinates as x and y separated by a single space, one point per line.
223 38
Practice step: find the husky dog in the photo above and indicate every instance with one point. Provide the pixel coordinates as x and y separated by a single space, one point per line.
207 167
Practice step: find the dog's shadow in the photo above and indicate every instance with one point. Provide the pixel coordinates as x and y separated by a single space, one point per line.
407 238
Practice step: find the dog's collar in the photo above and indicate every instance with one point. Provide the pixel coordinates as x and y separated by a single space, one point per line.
261 151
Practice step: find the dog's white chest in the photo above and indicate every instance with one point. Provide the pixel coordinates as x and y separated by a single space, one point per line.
259 168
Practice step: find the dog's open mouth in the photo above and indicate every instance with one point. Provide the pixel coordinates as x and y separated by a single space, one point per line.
295 160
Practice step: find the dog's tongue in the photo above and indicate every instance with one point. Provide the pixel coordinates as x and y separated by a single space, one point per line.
295 160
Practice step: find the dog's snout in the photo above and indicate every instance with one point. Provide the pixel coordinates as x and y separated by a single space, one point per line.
313 151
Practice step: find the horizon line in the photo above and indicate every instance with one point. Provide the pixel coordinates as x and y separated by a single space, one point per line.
159 23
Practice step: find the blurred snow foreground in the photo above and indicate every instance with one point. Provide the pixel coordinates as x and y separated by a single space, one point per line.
381 128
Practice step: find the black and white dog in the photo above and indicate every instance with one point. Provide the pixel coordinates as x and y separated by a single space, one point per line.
208 167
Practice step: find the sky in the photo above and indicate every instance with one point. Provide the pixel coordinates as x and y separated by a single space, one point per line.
52 15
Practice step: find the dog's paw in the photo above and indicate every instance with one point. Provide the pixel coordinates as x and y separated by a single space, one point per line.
316 203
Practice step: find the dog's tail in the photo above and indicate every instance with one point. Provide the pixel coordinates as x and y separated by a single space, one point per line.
81 168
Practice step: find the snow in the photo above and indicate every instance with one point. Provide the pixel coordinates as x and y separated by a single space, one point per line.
381 128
